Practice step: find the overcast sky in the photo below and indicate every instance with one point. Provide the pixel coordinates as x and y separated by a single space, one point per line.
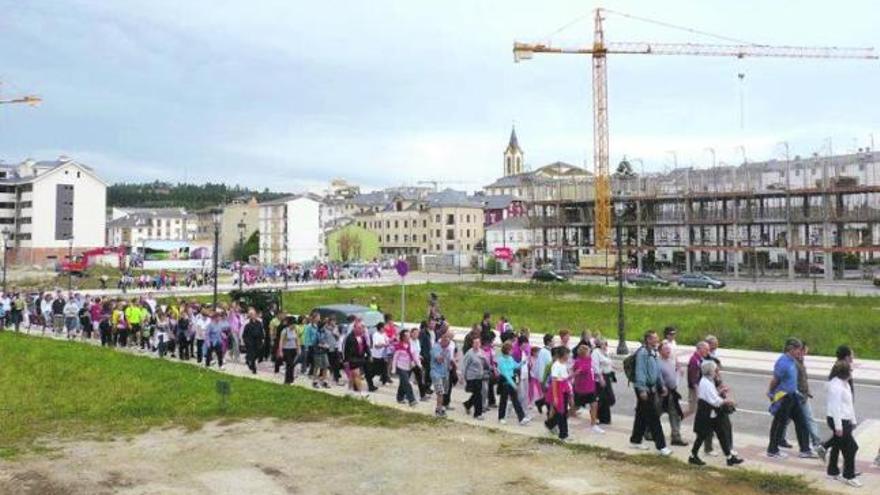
288 94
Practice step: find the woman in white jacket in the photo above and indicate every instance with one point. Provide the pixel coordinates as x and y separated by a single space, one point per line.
841 417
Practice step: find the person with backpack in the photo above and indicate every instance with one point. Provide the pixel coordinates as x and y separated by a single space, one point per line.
643 370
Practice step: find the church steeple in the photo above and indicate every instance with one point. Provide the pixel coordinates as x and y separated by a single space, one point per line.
513 155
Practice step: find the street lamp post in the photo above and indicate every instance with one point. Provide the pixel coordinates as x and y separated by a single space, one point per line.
69 259
621 330
241 228
216 214
6 236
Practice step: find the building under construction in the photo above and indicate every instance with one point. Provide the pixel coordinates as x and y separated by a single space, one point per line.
816 215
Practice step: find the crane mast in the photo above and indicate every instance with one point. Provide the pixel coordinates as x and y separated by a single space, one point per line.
602 223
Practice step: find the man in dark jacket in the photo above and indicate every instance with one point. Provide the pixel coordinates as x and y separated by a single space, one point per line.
253 337
426 343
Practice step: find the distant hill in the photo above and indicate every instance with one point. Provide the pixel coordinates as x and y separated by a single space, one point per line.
190 196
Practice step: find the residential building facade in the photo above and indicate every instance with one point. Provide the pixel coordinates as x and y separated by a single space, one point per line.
290 230
238 219
131 227
51 208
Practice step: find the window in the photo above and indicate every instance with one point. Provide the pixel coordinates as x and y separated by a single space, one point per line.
405 224
467 247
450 247
450 219
387 237
23 237
395 224
405 238
424 224
450 234
468 218
424 238
437 234
387 224
467 233
395 237
437 219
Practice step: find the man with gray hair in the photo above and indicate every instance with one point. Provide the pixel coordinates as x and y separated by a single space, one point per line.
785 401
671 403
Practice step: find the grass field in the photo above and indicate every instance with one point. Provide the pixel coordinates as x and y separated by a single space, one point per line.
61 388
67 390
757 321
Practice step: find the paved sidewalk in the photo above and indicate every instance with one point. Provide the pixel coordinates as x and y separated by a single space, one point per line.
750 447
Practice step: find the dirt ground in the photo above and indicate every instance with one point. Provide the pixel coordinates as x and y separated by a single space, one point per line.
270 457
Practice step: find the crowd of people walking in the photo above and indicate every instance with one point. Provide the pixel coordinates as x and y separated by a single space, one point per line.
496 364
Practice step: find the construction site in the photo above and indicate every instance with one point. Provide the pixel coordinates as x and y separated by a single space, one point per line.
797 216
818 216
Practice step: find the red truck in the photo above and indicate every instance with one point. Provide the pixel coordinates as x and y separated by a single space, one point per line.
109 256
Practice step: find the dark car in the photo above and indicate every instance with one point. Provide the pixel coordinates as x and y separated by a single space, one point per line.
545 275
700 280
647 280
805 267
341 312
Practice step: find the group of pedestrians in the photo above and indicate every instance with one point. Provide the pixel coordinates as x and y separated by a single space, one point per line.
499 367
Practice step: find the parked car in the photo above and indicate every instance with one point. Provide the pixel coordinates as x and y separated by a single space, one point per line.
647 279
545 275
876 279
341 312
804 267
699 280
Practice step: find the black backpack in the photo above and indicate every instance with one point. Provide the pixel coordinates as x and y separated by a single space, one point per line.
629 365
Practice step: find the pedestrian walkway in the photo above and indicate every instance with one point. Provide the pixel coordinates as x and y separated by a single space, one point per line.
865 371
750 447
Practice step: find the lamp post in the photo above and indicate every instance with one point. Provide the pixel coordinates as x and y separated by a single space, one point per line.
216 214
6 236
621 331
241 228
69 259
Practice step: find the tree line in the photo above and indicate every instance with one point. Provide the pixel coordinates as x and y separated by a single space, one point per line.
190 196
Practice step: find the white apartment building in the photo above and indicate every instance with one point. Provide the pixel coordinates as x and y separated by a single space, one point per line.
132 227
50 207
290 230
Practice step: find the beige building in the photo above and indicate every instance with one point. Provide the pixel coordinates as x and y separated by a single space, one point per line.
244 211
444 222
132 227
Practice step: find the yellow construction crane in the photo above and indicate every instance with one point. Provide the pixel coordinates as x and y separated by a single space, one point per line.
29 99
600 50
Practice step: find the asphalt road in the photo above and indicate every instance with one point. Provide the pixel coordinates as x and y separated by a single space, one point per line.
749 391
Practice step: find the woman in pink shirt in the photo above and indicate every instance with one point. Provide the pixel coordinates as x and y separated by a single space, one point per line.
585 386
402 362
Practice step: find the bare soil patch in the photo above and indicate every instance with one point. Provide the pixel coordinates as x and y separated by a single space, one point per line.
272 457
269 457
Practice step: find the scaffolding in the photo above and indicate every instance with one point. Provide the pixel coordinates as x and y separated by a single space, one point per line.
813 216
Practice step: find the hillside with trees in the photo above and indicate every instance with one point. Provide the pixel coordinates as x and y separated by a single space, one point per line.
190 196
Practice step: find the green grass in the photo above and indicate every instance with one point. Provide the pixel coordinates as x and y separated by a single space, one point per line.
54 388
757 321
